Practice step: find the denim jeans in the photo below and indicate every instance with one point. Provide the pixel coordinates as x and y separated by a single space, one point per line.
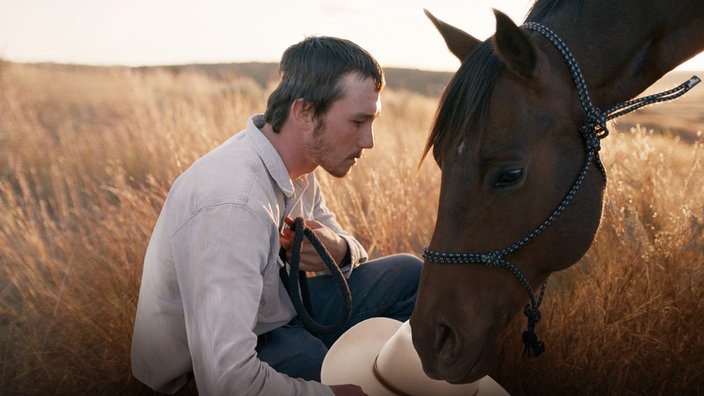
385 287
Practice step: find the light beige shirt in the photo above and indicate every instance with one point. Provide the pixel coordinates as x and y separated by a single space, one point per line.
211 272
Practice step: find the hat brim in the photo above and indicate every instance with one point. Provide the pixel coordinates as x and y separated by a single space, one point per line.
351 359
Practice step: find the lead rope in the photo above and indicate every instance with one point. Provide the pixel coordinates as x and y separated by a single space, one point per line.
295 282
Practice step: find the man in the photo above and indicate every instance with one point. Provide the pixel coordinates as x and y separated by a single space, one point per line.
212 305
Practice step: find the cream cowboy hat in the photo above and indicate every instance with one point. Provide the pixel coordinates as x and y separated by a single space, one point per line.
378 355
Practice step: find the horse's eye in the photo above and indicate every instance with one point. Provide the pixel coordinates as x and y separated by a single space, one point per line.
509 177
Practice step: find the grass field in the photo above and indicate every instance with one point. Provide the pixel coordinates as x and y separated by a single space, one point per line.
88 155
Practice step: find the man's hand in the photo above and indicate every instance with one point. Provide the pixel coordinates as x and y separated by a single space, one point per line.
347 390
310 260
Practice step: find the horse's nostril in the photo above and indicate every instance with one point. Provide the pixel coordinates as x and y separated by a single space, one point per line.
446 342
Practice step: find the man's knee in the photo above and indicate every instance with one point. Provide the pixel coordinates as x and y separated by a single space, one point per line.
409 260
401 265
399 259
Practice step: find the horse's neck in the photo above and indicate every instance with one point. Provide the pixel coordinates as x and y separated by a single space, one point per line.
623 47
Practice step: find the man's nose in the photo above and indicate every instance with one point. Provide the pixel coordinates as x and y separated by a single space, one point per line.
366 141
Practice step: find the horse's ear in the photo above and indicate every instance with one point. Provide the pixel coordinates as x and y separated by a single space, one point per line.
514 48
459 42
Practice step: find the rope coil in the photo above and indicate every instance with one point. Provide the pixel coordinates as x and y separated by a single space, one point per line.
295 282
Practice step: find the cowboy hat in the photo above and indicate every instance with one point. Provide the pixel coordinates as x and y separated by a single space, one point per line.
378 355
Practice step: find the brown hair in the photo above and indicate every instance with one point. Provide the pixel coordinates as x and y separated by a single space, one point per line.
312 70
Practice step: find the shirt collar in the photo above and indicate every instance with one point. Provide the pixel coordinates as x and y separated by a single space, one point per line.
269 156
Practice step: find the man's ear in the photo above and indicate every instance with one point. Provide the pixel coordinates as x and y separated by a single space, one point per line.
302 112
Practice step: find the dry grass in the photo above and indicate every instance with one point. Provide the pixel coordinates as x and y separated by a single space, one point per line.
89 154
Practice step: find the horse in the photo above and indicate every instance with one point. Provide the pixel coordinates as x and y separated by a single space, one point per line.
516 136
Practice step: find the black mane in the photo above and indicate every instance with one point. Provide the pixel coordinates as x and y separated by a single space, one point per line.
465 102
543 8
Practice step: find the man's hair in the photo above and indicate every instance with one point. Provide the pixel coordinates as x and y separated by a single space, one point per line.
312 70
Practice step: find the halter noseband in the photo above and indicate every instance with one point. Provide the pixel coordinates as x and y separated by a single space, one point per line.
592 130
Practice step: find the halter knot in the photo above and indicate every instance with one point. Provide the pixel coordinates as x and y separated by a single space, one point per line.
533 315
491 259
594 129
531 343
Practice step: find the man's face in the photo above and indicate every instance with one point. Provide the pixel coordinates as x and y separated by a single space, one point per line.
345 130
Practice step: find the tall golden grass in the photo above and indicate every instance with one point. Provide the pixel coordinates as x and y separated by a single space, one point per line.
88 155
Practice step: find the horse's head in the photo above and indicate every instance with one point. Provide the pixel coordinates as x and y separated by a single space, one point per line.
507 140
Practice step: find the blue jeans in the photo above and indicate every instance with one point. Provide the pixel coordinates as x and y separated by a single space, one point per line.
384 287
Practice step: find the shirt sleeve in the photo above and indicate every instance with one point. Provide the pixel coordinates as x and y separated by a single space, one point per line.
220 255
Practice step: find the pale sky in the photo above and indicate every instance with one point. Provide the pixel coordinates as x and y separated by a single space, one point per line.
159 32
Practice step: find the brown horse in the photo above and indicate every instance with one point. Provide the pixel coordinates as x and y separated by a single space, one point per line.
516 136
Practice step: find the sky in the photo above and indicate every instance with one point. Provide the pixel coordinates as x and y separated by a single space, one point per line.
167 32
